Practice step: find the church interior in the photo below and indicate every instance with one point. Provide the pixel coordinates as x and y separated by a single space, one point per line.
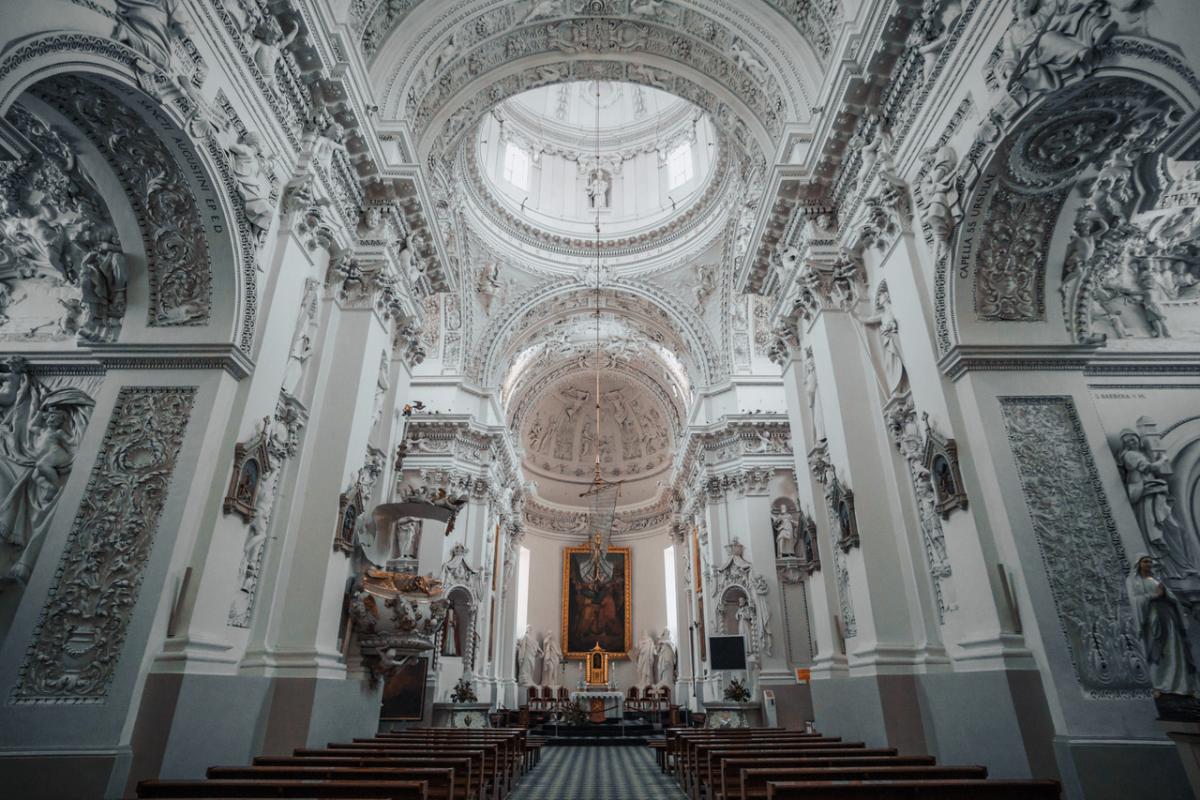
533 399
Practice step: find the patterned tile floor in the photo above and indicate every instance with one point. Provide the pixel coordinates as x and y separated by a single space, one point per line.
596 773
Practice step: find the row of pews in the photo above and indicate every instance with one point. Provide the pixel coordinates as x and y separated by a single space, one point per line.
413 764
779 764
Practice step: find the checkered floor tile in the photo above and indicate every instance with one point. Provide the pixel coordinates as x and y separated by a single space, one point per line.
596 773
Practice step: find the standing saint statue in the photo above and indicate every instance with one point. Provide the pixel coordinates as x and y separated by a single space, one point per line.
666 659
745 623
527 653
645 659
1162 626
551 661
785 532
1145 475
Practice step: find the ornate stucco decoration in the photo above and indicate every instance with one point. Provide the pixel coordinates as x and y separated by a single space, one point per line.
76 647
1082 554
252 462
737 577
63 267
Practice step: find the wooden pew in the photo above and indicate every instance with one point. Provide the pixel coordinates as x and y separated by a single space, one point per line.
326 790
440 784
492 767
467 777
691 749
485 779
680 746
915 790
701 773
512 741
753 782
729 781
506 749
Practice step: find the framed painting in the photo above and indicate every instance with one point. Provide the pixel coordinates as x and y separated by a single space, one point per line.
596 607
404 691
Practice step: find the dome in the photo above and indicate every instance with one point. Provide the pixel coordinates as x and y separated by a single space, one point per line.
542 165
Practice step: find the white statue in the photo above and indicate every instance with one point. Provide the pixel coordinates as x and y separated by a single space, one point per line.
745 623
148 26
382 385
268 43
1145 474
894 374
666 659
814 398
746 60
527 653
785 532
541 9
551 661
1050 40
40 431
939 193
246 164
406 538
597 188
645 659
102 278
302 340
447 54
1161 623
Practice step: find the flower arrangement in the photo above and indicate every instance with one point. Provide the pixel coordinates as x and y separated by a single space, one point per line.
464 692
573 713
737 692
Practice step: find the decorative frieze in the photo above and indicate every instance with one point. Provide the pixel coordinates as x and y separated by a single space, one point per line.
76 647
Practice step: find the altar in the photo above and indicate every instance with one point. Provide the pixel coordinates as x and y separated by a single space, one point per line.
600 705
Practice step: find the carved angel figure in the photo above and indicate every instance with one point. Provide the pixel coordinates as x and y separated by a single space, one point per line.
939 190
270 40
103 279
148 27
1145 475
246 164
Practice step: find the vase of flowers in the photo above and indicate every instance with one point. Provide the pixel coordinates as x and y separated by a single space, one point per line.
464 692
736 692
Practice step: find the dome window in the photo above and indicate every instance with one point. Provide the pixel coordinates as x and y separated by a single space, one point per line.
516 166
679 165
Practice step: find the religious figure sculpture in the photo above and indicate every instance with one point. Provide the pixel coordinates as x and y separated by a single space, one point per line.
939 193
763 641
1145 475
40 431
552 661
1051 40
249 173
666 659
382 385
269 42
745 623
1161 622
102 278
895 377
785 532
527 653
598 186
148 27
746 60
302 341
814 398
450 641
406 538
645 659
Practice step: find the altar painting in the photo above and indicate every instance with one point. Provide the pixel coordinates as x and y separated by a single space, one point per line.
596 606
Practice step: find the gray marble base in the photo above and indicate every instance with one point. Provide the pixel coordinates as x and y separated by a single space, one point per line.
733 715
461 715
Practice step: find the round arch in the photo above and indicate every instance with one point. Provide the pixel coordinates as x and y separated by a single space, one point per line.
199 249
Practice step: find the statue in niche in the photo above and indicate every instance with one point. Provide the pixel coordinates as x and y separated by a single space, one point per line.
406 539
40 432
527 653
745 623
586 442
1145 474
646 650
744 59
102 279
1051 40
552 659
1161 622
784 524
667 659
451 646
931 528
599 189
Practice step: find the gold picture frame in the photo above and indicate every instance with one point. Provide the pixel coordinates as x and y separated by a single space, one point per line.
573 637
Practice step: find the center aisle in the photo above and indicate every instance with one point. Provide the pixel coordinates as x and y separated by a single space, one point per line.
596 773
